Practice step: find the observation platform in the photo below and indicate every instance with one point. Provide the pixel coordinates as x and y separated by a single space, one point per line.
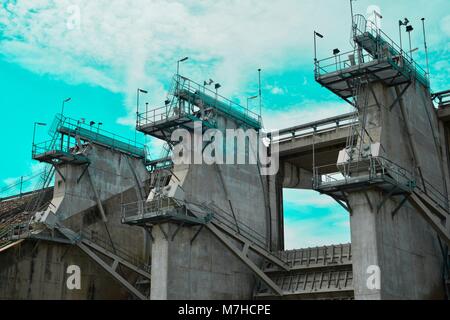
191 102
59 156
382 60
364 174
69 137
160 211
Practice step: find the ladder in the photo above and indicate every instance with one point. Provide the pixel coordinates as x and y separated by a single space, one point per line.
161 177
20 222
355 138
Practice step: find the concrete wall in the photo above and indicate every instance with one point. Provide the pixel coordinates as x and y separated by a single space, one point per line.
36 270
110 172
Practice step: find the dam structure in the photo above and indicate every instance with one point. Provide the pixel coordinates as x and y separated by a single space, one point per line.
179 227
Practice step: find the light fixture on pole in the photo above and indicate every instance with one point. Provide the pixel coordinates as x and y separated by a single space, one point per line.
335 53
259 92
34 129
137 110
377 16
63 103
316 34
409 29
207 83
217 86
426 47
401 23
137 100
178 64
351 12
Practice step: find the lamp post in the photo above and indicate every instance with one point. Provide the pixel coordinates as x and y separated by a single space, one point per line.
137 111
426 47
351 12
335 53
400 24
409 29
34 129
217 86
316 34
63 103
259 92
178 64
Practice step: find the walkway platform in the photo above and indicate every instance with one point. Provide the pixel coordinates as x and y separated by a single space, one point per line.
159 211
191 103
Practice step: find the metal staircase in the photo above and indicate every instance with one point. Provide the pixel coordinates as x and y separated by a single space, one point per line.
19 223
240 243
161 177
113 259
314 273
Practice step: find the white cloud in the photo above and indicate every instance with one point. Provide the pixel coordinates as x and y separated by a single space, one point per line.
445 25
311 233
123 45
308 225
277 90
303 113
307 198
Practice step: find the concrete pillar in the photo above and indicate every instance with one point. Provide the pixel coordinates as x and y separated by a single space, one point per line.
205 268
404 247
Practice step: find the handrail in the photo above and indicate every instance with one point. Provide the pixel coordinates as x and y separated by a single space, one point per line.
195 87
188 90
117 249
71 127
339 121
18 182
380 38
396 50
442 97
377 165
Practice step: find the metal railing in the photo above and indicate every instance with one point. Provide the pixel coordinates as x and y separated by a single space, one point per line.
115 248
19 187
375 168
385 49
371 167
224 218
185 90
442 98
68 127
315 127
157 207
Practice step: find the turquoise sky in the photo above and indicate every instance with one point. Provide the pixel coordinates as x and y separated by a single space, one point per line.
99 52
